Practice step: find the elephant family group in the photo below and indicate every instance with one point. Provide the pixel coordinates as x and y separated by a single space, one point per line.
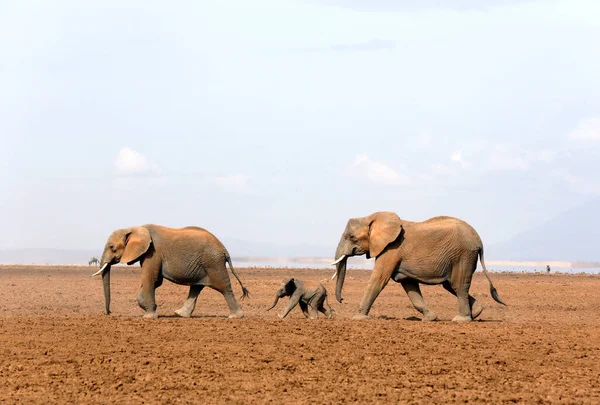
440 250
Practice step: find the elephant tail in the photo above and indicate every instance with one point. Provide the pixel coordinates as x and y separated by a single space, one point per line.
493 290
245 292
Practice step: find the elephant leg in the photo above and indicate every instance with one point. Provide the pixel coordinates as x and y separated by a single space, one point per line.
379 279
151 279
220 282
304 308
414 294
190 303
140 299
314 309
460 281
235 311
476 307
327 312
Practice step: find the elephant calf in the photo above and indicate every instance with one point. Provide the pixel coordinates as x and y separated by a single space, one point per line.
307 294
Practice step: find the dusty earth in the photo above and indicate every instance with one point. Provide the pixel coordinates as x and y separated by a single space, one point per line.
57 346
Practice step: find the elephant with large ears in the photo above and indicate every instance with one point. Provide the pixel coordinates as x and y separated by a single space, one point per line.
189 256
440 250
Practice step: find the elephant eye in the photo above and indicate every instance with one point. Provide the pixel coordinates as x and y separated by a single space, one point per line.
112 247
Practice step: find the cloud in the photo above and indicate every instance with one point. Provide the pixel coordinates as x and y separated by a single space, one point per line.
505 157
457 157
371 45
130 162
588 129
566 175
134 171
237 183
547 156
377 172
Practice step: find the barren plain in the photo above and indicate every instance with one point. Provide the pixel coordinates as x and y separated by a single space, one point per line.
57 346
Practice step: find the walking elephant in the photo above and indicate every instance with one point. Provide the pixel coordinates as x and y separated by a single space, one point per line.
311 295
189 256
440 250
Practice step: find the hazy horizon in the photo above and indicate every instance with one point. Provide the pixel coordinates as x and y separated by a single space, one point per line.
276 121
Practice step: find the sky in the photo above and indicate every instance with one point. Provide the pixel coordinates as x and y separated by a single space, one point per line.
275 121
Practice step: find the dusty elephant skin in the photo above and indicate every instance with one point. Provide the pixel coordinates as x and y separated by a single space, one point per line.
55 346
311 296
189 256
441 250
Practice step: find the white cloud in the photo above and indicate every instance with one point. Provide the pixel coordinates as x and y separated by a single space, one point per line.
457 157
565 175
506 158
377 172
547 156
234 183
134 171
588 129
130 162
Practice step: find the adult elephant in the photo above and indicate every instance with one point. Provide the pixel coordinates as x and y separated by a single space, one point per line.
441 250
189 256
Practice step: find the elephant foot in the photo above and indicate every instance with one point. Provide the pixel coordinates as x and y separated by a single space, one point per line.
429 317
236 315
183 313
361 317
150 315
476 310
461 319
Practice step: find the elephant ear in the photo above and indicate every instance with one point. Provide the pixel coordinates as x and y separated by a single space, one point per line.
385 227
137 242
290 286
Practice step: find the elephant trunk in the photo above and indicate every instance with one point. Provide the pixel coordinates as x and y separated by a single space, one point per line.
105 271
341 275
341 256
275 302
106 284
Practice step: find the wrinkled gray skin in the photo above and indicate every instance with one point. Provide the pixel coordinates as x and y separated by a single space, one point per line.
189 256
441 250
311 296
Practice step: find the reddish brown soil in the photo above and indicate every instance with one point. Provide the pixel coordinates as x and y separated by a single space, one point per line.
56 345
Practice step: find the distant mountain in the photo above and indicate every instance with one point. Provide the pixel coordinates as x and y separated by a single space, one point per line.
573 235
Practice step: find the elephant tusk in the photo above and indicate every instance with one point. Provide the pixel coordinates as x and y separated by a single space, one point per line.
334 274
101 270
342 257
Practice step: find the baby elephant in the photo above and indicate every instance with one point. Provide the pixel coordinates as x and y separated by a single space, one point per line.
307 294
